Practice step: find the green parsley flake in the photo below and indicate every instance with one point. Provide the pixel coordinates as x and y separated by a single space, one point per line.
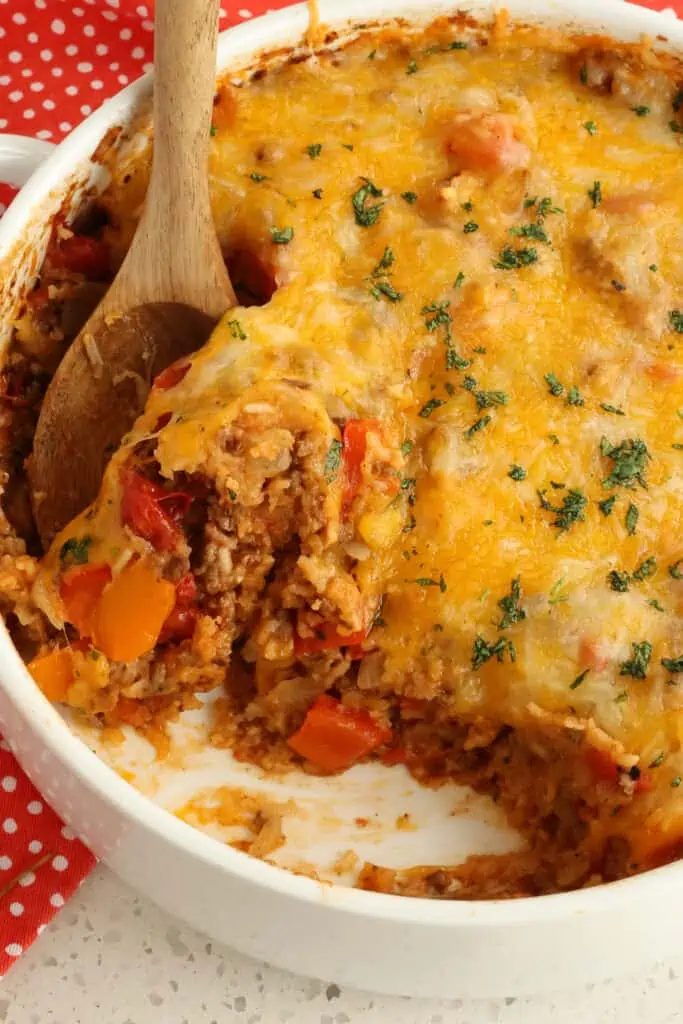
470 227
595 194
427 409
387 289
639 662
406 447
675 570
476 427
426 581
607 505
676 320
579 679
659 760
513 259
569 512
554 386
459 280
557 595
574 396
629 461
631 519
591 127
314 150
676 781
612 408
673 665
282 236
255 176
517 472
366 215
333 460
618 581
410 197
482 651
74 551
641 111
412 67
318 193
654 603
510 606
236 330
645 569
534 231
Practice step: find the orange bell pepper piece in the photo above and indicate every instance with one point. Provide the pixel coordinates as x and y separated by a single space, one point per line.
53 673
80 589
131 612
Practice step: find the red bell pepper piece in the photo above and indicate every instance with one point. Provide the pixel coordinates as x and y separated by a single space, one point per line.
354 444
172 375
181 622
151 512
333 737
82 254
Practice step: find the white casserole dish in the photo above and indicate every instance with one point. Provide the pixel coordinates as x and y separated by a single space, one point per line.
386 943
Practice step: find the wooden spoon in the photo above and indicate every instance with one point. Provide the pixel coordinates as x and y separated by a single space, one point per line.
171 288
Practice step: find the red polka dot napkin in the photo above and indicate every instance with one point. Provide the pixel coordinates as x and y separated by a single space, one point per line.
59 59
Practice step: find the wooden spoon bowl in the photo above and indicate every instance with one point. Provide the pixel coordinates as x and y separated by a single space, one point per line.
169 292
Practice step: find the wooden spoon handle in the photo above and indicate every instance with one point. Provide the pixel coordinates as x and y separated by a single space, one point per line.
175 254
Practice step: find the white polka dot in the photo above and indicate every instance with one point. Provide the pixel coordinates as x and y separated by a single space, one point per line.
245 13
32 37
3 124
89 30
2 32
84 66
71 90
101 49
57 900
71 50
44 134
85 110
49 104
35 807
125 34
123 79
16 95
14 949
112 3
28 878
147 66
9 783
35 846
36 86
26 72
109 15
78 11
40 929
19 18
46 55
148 26
65 126
14 57
137 53
29 115
96 84
67 833
5 80
142 11
40 4
16 909
9 826
58 26
5 863
60 863
57 72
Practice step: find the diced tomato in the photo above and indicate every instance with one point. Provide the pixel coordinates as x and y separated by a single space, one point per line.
486 142
151 512
333 737
326 638
163 421
82 254
181 622
664 373
643 783
172 375
395 755
355 653
354 445
80 589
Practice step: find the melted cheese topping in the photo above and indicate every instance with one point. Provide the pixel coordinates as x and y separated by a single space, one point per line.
599 204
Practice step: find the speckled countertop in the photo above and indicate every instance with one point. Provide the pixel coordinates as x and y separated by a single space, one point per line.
111 957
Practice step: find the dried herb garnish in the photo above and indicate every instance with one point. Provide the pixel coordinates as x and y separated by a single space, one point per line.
639 662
